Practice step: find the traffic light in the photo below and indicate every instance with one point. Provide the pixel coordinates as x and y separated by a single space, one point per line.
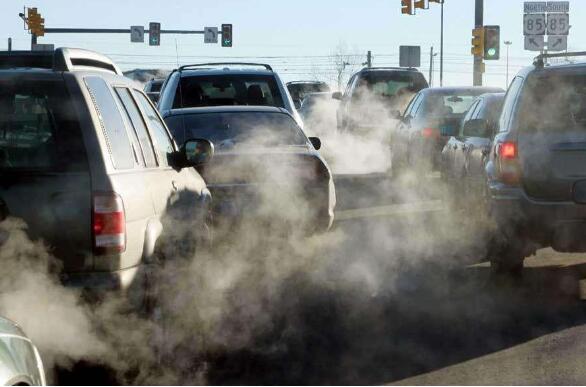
407 7
492 38
36 23
423 4
226 35
478 41
154 34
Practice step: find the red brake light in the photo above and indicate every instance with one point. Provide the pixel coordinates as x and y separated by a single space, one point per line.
108 223
508 150
430 133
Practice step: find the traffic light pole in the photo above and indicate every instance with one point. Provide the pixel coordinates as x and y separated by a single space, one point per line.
478 22
115 31
442 47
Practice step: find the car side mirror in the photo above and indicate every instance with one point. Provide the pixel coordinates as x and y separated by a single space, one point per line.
477 128
196 152
297 103
337 95
316 142
154 96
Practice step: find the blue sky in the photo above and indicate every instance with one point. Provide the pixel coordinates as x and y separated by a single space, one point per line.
297 37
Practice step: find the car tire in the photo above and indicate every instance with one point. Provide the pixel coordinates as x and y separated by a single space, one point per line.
507 261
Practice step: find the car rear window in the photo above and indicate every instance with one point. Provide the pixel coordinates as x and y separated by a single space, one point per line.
388 84
300 90
231 129
227 90
553 102
39 128
445 105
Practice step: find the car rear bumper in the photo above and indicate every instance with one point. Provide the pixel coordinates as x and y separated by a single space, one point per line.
561 225
119 280
233 201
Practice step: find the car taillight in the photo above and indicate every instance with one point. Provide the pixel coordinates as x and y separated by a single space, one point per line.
508 165
108 224
430 133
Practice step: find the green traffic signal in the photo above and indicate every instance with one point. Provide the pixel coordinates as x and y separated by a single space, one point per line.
226 35
492 42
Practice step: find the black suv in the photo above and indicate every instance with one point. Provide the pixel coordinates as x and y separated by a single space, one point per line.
374 94
536 171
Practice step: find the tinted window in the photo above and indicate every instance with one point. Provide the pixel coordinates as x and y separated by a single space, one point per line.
300 90
139 126
554 103
111 122
509 103
162 141
39 128
232 129
470 114
228 90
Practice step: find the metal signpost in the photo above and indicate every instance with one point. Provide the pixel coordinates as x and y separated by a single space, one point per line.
210 35
409 56
137 34
549 18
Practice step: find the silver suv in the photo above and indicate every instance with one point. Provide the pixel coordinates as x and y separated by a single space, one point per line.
225 84
87 162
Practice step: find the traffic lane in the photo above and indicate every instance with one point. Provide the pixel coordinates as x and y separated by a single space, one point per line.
431 314
553 357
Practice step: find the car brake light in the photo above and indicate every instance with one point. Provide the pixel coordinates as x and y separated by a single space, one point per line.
108 224
508 150
430 133
508 166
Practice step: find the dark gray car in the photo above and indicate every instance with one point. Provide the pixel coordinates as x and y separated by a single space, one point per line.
87 162
536 171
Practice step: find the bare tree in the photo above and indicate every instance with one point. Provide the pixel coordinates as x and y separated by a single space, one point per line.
343 62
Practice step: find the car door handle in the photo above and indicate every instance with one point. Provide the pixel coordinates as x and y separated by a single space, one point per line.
174 185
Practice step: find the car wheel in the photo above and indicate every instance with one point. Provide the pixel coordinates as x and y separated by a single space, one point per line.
507 260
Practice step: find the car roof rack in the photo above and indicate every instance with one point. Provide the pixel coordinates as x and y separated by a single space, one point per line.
539 59
390 68
62 59
294 82
218 64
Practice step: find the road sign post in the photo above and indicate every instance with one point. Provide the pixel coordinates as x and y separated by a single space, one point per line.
549 18
210 35
137 34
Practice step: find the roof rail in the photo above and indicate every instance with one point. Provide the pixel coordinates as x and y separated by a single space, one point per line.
266 66
390 68
539 59
70 59
62 59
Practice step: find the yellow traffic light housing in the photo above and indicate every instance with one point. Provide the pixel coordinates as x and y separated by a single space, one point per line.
422 4
478 41
36 24
407 7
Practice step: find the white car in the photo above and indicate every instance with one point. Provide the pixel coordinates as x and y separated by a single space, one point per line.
20 362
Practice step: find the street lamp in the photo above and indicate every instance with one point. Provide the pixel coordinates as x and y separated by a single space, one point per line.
507 43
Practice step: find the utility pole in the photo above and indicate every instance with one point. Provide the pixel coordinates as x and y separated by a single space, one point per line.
9 44
478 23
507 43
431 66
369 59
442 47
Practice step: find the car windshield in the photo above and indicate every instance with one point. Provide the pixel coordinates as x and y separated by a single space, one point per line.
228 90
447 104
229 129
156 86
554 103
300 90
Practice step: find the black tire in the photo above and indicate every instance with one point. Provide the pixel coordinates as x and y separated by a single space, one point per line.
507 261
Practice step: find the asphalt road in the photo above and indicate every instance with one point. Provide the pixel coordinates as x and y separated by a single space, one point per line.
401 298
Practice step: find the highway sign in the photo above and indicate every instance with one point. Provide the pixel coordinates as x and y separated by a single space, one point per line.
534 24
534 43
558 23
210 35
535 7
137 34
557 42
558 6
409 56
